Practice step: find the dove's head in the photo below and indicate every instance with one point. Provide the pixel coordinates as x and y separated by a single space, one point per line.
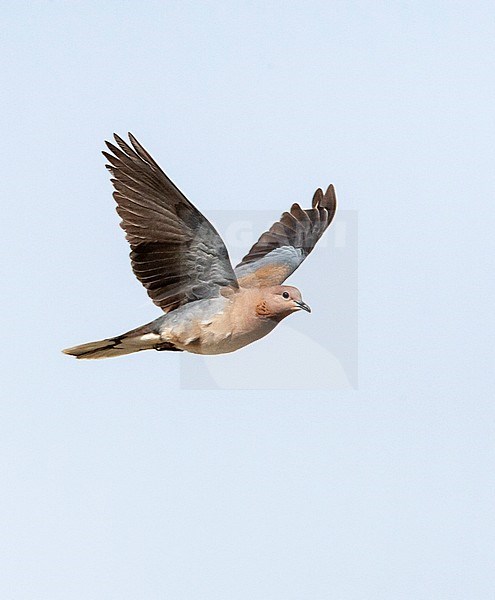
280 301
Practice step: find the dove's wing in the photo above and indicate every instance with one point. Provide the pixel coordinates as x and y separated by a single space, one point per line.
281 249
175 251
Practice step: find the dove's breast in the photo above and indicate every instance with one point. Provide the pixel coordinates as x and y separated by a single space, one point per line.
214 326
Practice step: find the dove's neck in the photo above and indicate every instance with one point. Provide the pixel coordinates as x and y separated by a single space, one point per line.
252 306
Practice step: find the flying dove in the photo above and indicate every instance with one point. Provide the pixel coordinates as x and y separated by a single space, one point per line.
176 253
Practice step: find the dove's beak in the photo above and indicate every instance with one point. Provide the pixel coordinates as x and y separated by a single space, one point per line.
303 305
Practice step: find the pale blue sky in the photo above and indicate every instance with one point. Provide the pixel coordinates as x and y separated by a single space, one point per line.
118 483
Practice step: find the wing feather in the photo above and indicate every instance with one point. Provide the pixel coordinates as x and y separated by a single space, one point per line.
175 251
280 250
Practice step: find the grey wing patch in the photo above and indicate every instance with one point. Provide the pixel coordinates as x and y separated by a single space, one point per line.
175 251
270 269
281 249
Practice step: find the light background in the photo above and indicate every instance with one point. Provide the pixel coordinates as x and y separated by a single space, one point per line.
116 483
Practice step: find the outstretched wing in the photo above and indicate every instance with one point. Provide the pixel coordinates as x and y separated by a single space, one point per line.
281 249
175 251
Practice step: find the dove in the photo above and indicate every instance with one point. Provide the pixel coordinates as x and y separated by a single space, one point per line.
209 307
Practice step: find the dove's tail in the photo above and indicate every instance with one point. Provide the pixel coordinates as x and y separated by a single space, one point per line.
142 338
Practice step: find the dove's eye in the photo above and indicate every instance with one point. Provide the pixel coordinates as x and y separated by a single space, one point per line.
286 295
